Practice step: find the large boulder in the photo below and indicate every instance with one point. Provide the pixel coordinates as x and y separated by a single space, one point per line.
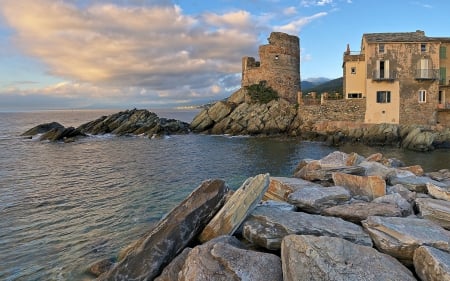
396 199
413 183
267 225
225 258
432 264
312 258
400 237
438 192
435 210
357 212
171 235
315 199
419 140
314 172
237 208
366 186
171 271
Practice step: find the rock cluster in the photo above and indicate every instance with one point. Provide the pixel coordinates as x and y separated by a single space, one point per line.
365 226
129 122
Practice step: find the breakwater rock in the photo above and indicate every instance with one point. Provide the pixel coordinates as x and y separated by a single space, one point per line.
129 122
385 222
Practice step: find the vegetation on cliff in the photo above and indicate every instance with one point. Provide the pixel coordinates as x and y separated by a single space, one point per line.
261 92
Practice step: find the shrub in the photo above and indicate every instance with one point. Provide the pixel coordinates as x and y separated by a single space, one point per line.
261 92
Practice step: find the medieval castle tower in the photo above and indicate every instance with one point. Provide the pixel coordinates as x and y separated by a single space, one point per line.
279 66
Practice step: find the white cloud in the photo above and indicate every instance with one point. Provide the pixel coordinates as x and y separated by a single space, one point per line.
309 3
295 26
290 11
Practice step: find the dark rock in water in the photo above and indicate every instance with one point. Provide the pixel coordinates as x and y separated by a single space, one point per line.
62 134
43 128
171 235
129 122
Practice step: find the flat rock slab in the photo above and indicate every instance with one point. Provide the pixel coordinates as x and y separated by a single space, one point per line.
432 264
316 198
435 210
400 237
171 235
225 258
268 225
439 192
280 187
414 183
312 258
357 212
369 186
237 208
311 173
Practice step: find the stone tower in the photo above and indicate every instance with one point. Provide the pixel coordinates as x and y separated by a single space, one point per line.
279 66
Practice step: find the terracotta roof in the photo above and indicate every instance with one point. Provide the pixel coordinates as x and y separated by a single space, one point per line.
418 36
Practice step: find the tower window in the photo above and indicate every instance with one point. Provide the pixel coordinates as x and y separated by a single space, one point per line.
353 70
423 47
276 57
422 96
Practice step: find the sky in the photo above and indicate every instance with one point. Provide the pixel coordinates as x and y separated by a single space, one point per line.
75 54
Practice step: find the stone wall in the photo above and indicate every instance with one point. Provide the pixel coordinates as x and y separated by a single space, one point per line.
443 117
279 66
334 110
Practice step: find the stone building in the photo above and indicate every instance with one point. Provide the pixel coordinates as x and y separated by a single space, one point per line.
402 77
279 66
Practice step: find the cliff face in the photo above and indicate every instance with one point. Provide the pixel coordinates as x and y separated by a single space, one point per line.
241 116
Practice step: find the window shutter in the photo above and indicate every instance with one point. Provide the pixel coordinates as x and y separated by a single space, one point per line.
386 69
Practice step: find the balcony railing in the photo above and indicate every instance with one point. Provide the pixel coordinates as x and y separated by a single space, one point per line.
384 75
427 74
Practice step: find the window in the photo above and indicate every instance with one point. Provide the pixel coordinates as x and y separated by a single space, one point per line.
381 48
353 70
422 96
383 96
423 47
354 95
443 52
443 75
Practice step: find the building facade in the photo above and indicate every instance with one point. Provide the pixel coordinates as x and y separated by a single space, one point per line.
402 77
279 66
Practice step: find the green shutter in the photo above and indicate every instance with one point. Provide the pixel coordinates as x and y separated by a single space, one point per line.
442 75
443 52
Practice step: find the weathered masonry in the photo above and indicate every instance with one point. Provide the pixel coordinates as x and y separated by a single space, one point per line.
279 66
402 77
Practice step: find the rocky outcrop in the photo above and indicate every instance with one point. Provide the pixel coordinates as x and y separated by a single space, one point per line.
129 122
330 244
312 258
171 235
432 264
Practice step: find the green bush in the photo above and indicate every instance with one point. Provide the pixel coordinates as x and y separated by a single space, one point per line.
261 92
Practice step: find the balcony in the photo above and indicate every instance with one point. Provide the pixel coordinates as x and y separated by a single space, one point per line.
427 74
378 75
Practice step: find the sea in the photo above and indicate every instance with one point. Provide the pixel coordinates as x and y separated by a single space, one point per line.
64 206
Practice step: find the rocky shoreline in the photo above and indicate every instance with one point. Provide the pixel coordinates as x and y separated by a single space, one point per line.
129 122
342 217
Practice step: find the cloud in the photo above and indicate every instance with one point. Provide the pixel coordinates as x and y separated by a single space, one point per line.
290 11
150 53
309 3
295 26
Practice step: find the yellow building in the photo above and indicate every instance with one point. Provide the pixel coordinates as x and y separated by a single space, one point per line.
402 77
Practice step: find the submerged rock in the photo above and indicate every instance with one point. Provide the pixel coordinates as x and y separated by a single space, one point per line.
312 258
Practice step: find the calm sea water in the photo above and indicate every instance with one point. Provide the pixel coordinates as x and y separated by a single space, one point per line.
65 206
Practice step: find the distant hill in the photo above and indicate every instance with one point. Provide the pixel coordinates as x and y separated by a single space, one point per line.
331 86
312 82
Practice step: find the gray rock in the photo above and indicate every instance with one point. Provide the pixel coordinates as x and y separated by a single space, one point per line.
43 128
400 237
357 212
202 122
220 110
397 200
408 195
226 259
315 199
335 159
171 235
419 140
413 183
62 134
375 169
237 208
312 258
435 210
280 187
171 271
267 226
326 174
432 264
